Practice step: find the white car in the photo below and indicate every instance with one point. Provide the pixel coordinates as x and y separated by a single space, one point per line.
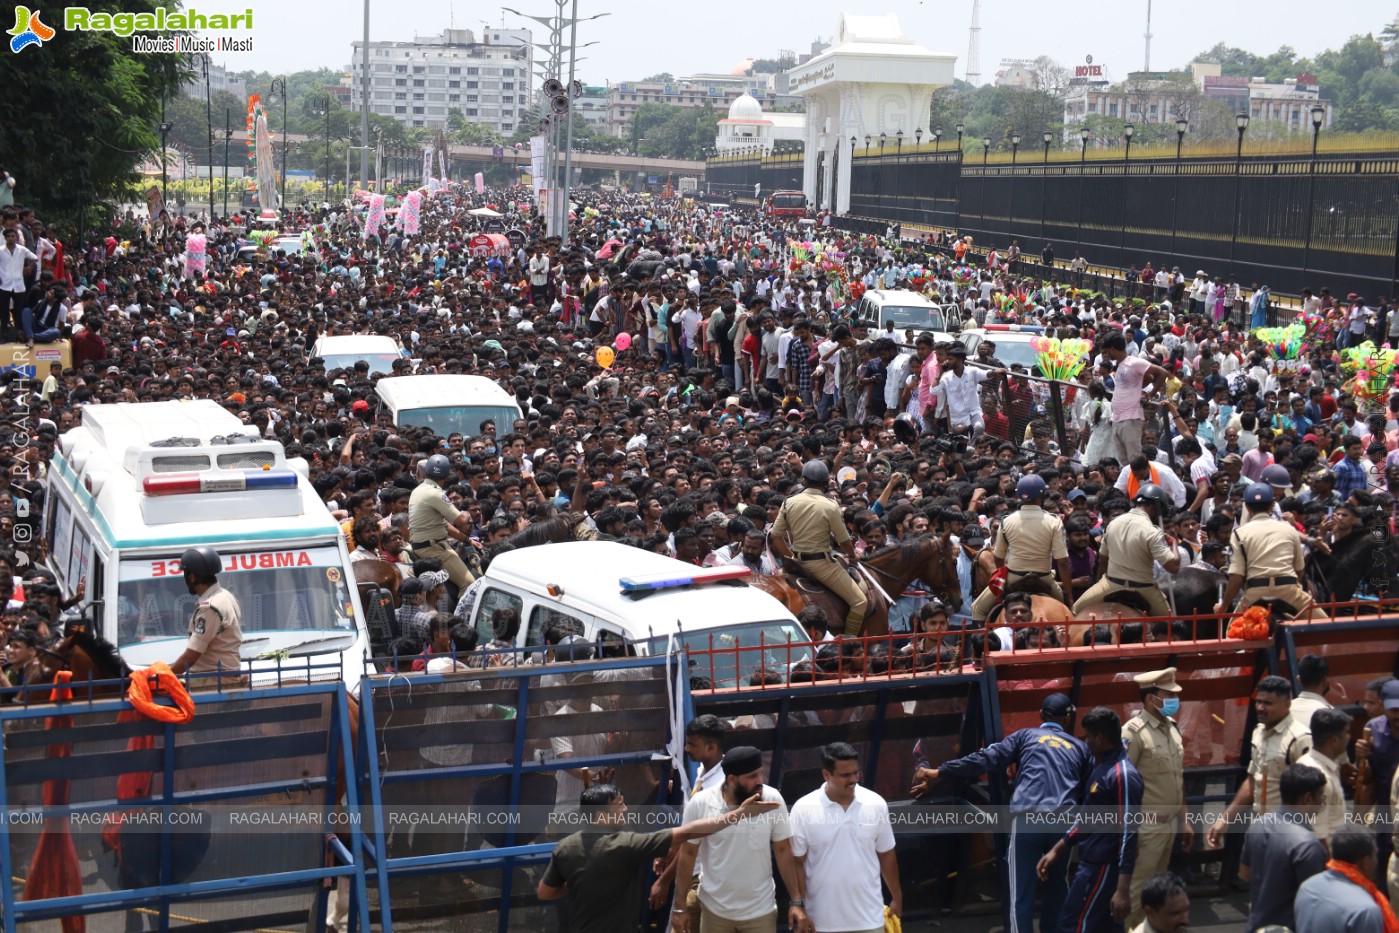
1012 343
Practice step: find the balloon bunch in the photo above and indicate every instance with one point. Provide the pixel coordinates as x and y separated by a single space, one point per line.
1061 358
1373 370
1282 343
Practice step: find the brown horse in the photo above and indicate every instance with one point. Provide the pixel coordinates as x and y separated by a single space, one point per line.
928 558
90 658
380 573
1045 609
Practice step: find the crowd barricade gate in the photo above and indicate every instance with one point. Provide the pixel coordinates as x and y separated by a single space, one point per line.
1216 718
1357 648
461 774
884 716
108 812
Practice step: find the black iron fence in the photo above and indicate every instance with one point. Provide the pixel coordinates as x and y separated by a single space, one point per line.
1286 221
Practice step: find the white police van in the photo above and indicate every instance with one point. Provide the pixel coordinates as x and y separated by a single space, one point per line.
134 485
635 601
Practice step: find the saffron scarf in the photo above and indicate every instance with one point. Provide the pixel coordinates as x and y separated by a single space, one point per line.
1354 876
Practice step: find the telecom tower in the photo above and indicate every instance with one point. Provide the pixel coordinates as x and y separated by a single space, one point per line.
1147 36
974 51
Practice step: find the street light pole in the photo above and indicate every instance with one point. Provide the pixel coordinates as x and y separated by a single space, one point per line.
363 110
1181 126
961 158
165 128
1240 121
1046 136
1318 115
985 151
1014 154
227 139
1083 135
1128 131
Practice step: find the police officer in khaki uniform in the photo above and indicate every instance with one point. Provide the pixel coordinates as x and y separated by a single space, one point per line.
430 514
1131 544
1267 560
1279 740
813 521
1154 746
1031 543
216 628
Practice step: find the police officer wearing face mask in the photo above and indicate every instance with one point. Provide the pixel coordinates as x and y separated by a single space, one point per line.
1154 745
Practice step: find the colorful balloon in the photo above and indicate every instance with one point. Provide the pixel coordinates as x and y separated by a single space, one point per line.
604 357
622 342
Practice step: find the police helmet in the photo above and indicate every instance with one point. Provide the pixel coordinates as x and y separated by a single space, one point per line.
1030 488
203 562
1150 492
437 467
1258 494
1276 475
816 473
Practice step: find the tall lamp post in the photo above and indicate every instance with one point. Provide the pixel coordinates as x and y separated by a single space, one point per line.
985 151
1318 117
227 140
1182 125
879 183
1083 135
165 128
835 182
1046 137
1241 122
937 139
899 168
281 83
957 200
323 109
1128 131
1014 153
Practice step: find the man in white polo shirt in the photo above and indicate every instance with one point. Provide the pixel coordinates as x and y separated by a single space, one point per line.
736 891
844 845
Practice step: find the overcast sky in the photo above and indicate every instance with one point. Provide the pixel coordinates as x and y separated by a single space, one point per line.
714 35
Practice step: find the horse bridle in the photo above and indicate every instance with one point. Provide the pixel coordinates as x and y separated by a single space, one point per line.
949 569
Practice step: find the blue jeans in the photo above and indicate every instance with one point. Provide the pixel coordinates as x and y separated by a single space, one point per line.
1026 847
47 335
687 359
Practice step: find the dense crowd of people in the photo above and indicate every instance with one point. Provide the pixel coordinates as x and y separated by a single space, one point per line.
698 380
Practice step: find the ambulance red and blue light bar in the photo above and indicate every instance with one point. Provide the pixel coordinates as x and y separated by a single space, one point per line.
178 484
665 581
1016 328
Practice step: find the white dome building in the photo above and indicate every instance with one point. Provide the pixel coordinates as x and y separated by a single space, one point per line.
749 127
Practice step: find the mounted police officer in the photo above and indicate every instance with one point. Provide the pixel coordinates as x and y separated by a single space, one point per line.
812 522
1031 544
1268 559
215 629
1131 543
431 520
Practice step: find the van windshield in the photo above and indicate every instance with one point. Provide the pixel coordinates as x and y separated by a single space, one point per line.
378 362
913 316
461 419
789 199
737 652
292 590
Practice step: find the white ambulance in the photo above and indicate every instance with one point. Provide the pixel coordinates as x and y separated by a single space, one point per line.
134 485
635 601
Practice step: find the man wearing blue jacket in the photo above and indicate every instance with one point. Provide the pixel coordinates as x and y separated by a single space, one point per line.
1050 769
1106 835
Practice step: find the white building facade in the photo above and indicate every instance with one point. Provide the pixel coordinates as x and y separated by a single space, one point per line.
748 127
872 80
420 83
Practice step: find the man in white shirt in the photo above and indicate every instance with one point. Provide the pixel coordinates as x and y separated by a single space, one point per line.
959 390
16 262
844 847
736 892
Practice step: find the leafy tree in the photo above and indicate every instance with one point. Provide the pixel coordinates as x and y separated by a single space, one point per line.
660 78
664 131
80 112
